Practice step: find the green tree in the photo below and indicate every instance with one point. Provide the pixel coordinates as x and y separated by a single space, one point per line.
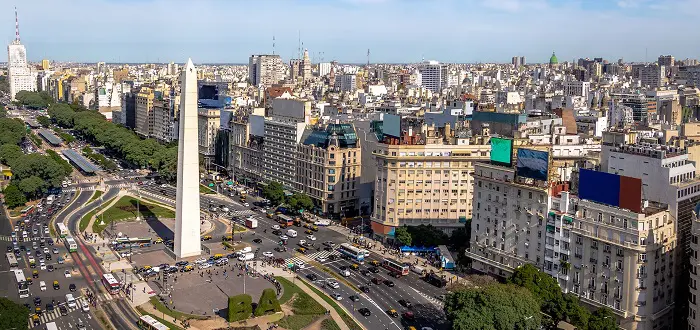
494 307
13 130
35 100
13 196
602 319
3 111
67 167
9 153
427 235
403 236
576 314
300 202
274 192
39 165
44 121
12 315
239 307
543 286
4 85
268 303
33 186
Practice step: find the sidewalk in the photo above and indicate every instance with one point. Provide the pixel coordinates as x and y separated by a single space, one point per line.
148 308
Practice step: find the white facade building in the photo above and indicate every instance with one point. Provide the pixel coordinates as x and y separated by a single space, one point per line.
577 88
20 76
266 70
324 69
345 83
432 76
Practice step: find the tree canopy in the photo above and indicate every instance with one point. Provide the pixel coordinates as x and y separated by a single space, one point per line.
42 166
9 153
13 130
543 286
274 192
427 235
300 202
12 315
602 319
494 307
403 236
35 100
43 120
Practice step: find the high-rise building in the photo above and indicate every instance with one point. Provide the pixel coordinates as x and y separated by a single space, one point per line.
20 76
653 75
432 76
306 66
329 168
345 83
324 69
45 64
265 70
424 177
667 60
209 122
144 111
577 88
515 61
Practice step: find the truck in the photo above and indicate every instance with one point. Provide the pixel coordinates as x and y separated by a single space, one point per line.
292 233
323 222
251 223
246 256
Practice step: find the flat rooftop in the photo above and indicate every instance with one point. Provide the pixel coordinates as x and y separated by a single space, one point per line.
81 162
50 137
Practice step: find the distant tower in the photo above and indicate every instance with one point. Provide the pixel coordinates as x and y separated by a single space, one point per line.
367 57
306 66
19 73
187 225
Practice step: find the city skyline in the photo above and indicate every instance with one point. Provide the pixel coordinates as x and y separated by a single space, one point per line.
530 28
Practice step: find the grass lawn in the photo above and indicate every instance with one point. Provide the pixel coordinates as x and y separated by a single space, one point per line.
297 322
346 318
329 324
125 208
178 315
96 195
164 322
205 190
96 227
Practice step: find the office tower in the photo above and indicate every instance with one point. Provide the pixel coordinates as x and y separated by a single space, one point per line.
652 75
577 88
423 176
283 130
619 257
324 69
432 75
45 65
329 168
144 111
667 60
128 107
515 61
209 121
345 83
187 225
265 70
20 75
522 61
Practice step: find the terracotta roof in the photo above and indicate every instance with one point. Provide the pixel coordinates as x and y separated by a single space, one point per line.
274 92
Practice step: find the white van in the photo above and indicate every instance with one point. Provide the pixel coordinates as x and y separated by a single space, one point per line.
42 285
246 249
292 233
70 301
246 257
345 273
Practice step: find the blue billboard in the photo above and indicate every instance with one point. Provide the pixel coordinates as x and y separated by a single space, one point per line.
532 164
600 187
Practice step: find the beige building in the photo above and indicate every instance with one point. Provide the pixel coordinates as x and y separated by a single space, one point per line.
608 256
328 168
266 70
209 123
144 108
425 178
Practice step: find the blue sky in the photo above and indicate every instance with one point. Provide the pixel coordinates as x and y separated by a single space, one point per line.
465 31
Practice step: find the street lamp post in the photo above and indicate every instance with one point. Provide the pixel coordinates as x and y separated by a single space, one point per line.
138 206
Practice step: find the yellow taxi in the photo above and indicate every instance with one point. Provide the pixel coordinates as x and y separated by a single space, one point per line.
227 238
206 237
301 250
158 241
30 281
374 263
35 274
187 268
314 228
56 286
35 320
308 232
218 256
354 266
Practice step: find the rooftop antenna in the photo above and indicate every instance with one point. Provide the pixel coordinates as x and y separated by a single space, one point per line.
16 26
367 57
299 45
273 44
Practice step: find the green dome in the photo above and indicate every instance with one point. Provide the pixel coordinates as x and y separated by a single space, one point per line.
553 59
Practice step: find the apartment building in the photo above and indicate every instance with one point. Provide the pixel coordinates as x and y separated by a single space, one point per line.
246 154
266 70
329 165
425 178
608 256
694 277
209 121
283 130
144 109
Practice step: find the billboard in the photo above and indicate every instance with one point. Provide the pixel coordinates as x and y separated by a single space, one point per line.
611 189
532 164
501 151
392 125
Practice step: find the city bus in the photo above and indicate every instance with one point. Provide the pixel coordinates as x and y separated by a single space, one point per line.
70 244
62 229
51 326
124 242
351 251
22 286
27 210
147 322
285 221
12 260
111 283
395 266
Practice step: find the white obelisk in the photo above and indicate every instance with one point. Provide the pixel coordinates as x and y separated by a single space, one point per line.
187 225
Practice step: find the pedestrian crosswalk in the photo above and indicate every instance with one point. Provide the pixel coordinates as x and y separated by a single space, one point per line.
46 316
9 239
92 188
241 213
314 256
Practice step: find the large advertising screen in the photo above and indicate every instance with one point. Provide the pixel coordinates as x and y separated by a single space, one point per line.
532 164
501 151
392 125
611 189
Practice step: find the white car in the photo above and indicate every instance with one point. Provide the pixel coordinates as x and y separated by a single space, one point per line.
284 237
85 306
311 237
333 284
204 265
42 266
164 185
302 241
321 259
67 274
300 264
125 254
200 260
46 250
55 251
224 209
31 259
276 227
268 254
246 204
337 296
